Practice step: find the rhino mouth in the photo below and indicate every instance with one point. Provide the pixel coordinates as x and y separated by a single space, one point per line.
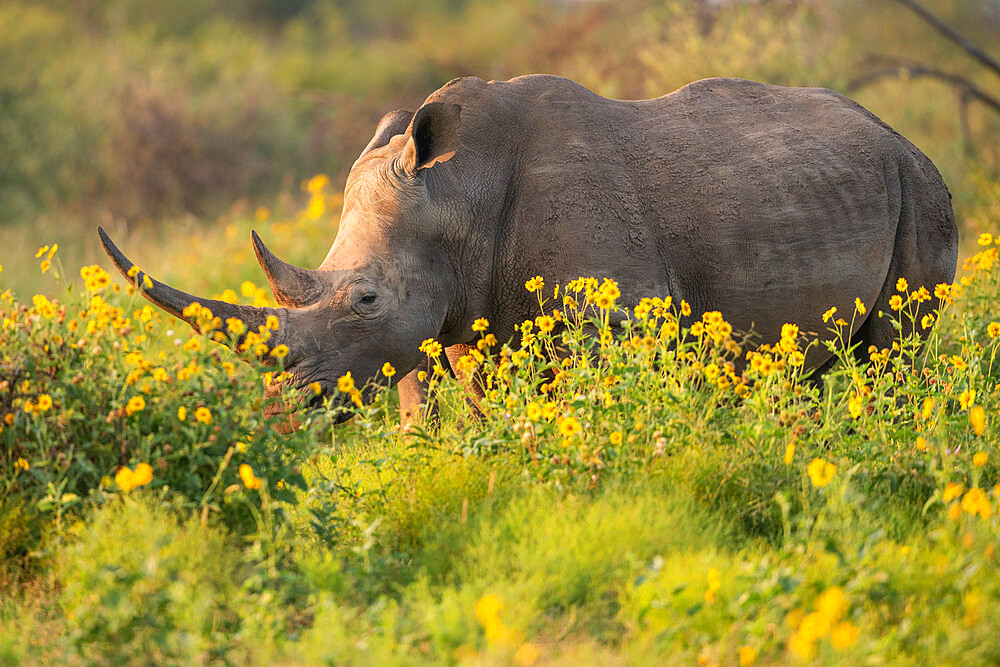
286 407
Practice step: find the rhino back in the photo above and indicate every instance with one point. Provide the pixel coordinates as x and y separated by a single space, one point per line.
767 203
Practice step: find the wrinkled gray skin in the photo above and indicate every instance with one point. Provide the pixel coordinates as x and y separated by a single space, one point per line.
766 203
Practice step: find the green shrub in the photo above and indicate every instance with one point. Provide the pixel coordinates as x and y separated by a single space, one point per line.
140 585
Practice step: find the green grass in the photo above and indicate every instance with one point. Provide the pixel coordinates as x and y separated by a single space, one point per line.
698 534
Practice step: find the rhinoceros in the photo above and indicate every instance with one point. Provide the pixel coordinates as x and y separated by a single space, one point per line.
769 204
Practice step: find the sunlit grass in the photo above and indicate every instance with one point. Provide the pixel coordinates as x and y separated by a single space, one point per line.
637 494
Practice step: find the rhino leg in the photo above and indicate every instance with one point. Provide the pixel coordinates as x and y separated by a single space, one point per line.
473 385
413 407
924 254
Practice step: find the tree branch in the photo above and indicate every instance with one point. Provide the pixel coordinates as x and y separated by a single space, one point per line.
952 34
915 70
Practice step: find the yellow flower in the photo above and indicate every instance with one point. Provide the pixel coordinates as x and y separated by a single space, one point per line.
844 635
135 404
94 277
127 479
143 474
526 655
860 306
927 321
714 583
856 405
569 426
829 314
316 208
951 491
977 417
534 284
616 437
249 479
345 383
967 398
44 403
748 656
280 351
41 251
43 306
685 308
182 413
942 290
431 347
977 502
317 183
203 415
921 443
388 370
45 265
487 612
789 453
896 301
21 464
193 344
545 322
821 472
481 324
235 325
980 458
985 239
901 285
533 411
993 329
958 362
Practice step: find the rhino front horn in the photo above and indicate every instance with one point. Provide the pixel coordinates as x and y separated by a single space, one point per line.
293 287
176 302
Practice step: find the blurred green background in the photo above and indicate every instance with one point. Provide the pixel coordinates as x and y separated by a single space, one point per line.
166 119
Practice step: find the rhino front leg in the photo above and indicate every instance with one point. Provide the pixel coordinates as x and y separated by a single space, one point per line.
413 407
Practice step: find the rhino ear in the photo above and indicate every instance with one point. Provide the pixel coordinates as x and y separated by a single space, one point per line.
433 136
393 123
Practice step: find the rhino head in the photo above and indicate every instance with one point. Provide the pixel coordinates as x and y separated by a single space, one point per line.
387 282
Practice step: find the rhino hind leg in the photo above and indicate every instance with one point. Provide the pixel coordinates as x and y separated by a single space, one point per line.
925 254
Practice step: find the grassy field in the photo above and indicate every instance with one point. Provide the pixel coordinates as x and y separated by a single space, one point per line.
638 504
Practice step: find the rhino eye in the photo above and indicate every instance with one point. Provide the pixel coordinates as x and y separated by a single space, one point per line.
369 297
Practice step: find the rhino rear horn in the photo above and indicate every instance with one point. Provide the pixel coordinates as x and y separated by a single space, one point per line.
293 287
177 302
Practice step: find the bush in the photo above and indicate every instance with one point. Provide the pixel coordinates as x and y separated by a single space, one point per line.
139 585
